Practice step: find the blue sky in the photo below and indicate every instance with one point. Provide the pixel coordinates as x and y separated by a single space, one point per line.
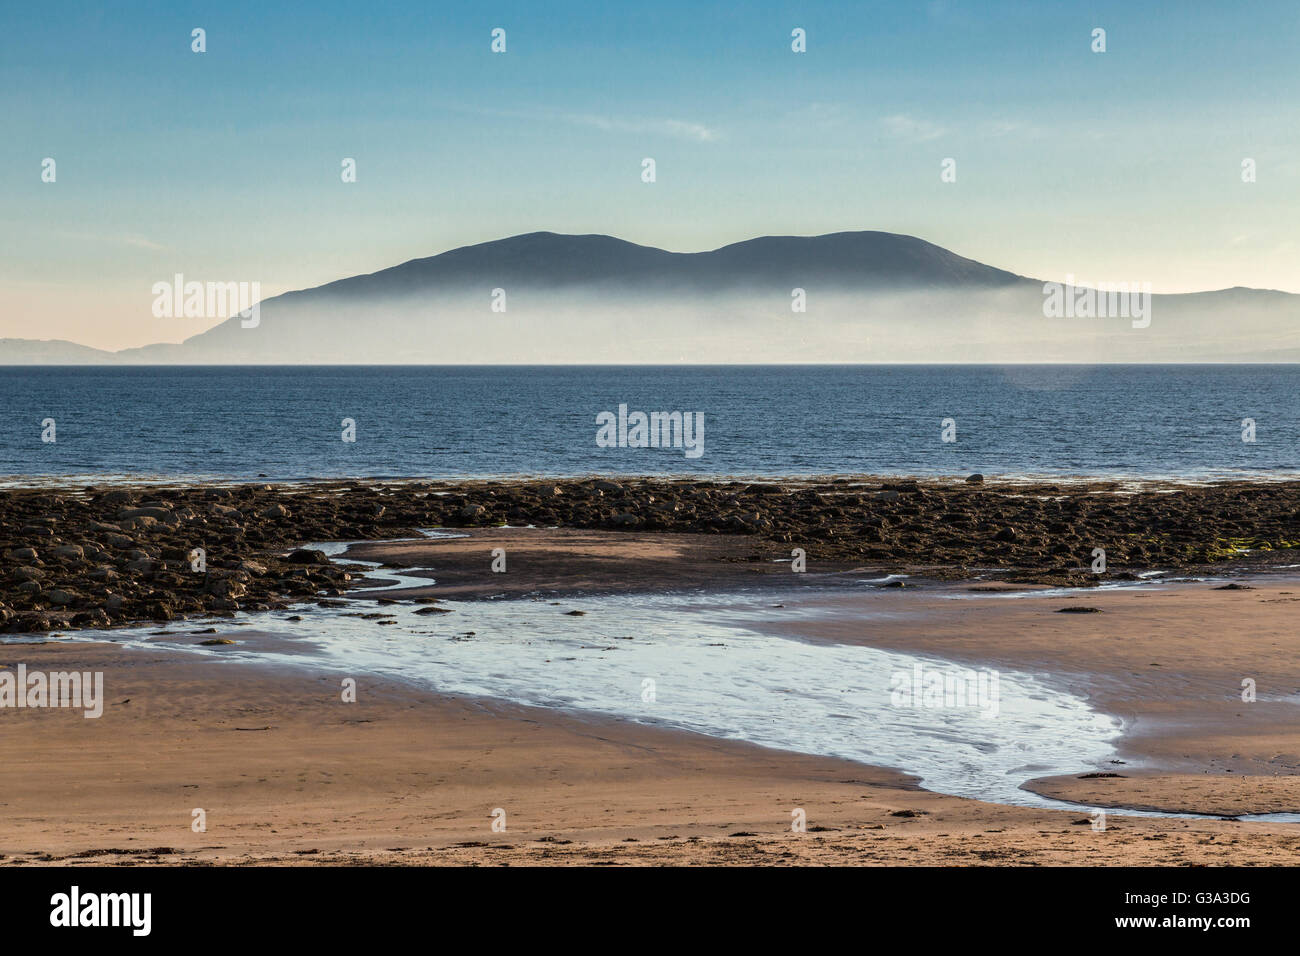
1122 166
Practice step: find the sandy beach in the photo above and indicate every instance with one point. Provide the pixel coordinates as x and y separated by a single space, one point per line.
287 772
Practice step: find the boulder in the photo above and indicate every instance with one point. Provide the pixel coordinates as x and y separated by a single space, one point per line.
308 556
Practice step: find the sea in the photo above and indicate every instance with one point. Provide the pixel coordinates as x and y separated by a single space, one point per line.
1187 422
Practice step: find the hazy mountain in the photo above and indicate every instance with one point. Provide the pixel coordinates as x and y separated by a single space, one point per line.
547 260
870 297
50 352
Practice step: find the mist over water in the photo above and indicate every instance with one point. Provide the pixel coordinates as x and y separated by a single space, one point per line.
286 422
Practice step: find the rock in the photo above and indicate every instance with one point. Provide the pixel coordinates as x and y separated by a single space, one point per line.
160 611
69 551
164 515
308 556
226 588
625 520
61 598
28 587
907 485
28 574
472 511
886 495
33 623
275 511
23 554
608 487
119 541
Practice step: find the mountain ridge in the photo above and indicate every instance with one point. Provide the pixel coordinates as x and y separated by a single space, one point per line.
441 305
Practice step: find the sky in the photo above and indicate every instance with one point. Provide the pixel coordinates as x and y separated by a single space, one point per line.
225 165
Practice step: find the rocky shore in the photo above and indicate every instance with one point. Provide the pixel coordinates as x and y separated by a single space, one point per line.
101 557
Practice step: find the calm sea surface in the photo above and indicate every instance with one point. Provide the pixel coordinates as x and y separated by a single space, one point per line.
286 422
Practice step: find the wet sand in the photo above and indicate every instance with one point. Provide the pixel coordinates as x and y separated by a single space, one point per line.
288 772
1169 660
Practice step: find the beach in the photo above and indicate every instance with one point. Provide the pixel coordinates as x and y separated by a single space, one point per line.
94 556
242 714
287 774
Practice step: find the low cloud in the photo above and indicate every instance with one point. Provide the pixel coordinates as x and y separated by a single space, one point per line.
676 128
122 239
903 127
682 129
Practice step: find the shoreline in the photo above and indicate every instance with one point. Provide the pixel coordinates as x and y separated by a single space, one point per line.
1166 657
405 784
73 482
112 556
974 626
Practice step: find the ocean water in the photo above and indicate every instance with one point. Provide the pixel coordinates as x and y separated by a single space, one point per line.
287 422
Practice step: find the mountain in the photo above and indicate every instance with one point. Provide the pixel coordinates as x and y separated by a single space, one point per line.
547 260
50 352
868 297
